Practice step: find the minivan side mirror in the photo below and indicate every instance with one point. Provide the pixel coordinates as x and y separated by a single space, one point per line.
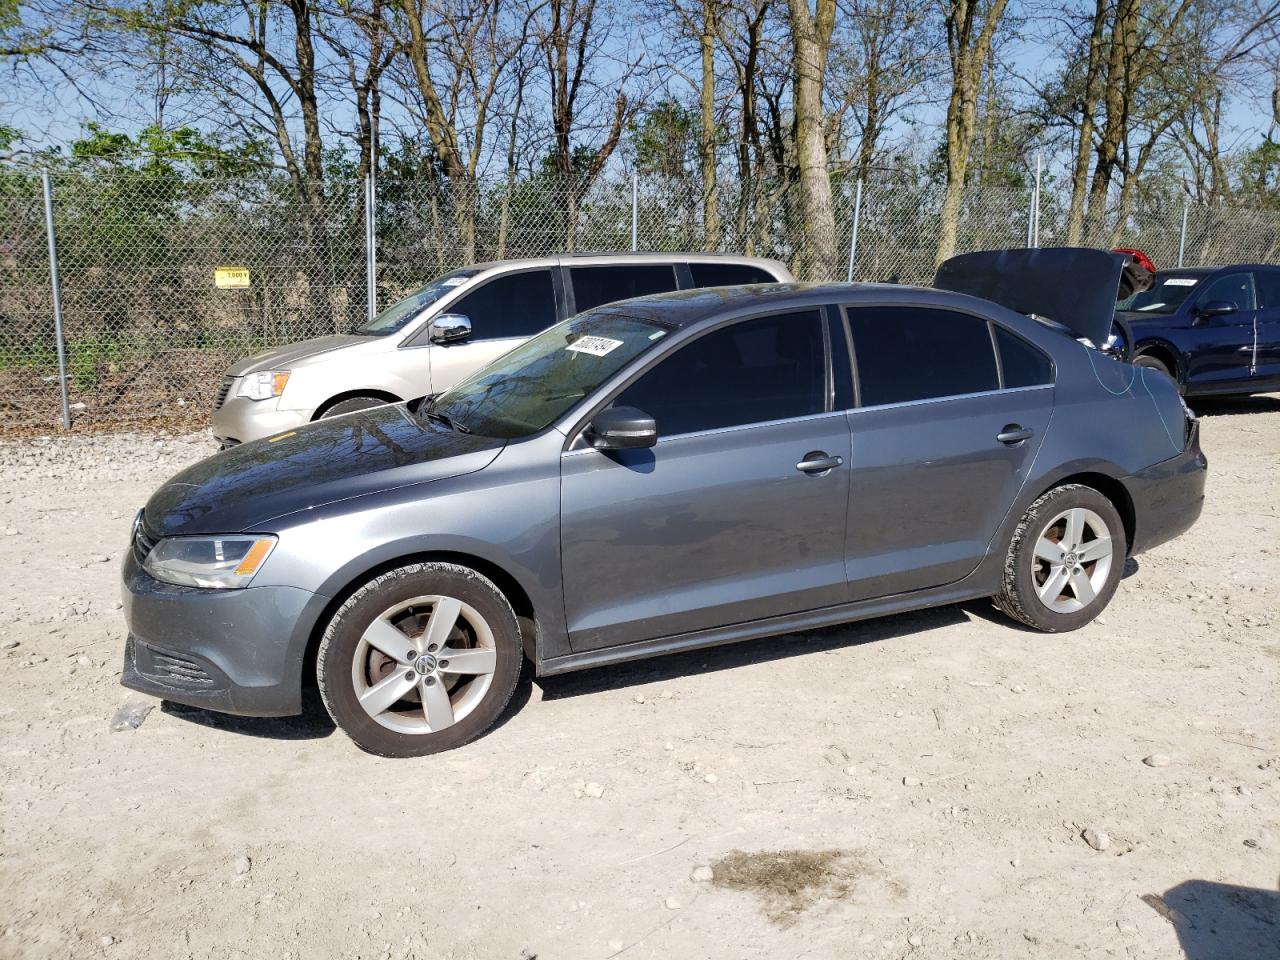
1215 308
621 428
450 328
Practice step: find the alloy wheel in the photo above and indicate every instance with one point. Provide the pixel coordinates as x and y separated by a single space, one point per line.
1072 560
424 664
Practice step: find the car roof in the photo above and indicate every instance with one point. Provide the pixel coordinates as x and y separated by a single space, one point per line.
1204 271
686 308
583 258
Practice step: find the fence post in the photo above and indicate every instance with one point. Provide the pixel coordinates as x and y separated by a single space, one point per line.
1033 210
1035 237
57 299
370 246
1182 237
635 213
853 236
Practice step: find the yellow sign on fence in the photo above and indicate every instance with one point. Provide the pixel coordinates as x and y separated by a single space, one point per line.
230 277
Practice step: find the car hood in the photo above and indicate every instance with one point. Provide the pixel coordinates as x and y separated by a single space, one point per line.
289 354
336 459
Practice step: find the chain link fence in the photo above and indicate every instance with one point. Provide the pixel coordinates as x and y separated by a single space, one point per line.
148 330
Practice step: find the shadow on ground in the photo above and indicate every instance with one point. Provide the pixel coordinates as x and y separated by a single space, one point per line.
1229 406
766 649
1221 921
312 724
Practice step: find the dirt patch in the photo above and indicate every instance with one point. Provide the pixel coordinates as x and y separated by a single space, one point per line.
788 882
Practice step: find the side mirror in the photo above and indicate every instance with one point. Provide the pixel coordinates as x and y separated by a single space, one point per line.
1215 308
450 328
621 428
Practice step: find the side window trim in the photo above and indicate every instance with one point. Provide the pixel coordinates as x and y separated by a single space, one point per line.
995 349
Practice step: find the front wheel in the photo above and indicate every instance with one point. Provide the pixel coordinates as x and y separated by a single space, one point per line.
1155 363
421 659
1064 561
352 405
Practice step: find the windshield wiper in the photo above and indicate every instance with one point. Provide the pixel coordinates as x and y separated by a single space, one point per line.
448 421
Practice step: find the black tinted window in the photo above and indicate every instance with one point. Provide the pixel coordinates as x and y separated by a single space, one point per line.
513 305
1268 289
1023 365
727 274
593 286
770 368
913 353
1234 288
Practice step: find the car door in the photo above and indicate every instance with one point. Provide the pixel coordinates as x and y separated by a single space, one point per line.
737 513
504 311
597 284
944 434
1221 347
1267 372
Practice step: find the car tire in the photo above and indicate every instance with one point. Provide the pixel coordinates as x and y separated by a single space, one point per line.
1057 576
351 405
384 667
1155 363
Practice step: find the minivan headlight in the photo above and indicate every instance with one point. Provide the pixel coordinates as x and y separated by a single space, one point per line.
217 562
264 385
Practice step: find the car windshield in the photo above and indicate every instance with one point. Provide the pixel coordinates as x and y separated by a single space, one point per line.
1165 296
528 389
396 316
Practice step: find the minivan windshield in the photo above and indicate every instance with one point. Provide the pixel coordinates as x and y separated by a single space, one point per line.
1166 295
396 316
528 389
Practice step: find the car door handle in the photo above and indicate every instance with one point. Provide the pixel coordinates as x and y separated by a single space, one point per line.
1013 433
817 462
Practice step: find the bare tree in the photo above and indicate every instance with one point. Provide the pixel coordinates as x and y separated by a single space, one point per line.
971 27
810 45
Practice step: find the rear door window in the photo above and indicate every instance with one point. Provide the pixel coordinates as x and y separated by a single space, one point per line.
754 371
1268 289
510 305
727 274
915 353
1022 364
593 286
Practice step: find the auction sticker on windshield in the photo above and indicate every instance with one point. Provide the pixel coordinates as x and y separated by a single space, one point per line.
1181 282
596 346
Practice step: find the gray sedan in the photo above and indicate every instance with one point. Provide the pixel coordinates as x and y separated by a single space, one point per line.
656 475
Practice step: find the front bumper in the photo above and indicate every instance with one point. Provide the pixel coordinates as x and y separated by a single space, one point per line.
234 651
239 419
1168 497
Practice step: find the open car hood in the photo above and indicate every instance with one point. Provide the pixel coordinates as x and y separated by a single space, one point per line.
1077 287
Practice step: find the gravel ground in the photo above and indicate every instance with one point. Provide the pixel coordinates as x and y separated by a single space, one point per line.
934 785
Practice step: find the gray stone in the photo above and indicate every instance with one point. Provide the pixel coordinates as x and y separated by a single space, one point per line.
1097 839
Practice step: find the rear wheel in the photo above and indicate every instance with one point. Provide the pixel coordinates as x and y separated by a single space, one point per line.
351 405
1064 561
421 659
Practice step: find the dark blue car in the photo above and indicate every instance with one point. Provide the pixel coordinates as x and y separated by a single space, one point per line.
1215 330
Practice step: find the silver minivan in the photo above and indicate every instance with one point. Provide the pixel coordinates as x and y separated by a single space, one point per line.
440 334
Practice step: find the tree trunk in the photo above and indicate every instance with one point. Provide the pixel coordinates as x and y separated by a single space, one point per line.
1089 106
707 146
443 139
968 53
810 43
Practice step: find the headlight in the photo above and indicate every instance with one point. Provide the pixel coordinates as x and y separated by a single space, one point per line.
264 385
217 562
